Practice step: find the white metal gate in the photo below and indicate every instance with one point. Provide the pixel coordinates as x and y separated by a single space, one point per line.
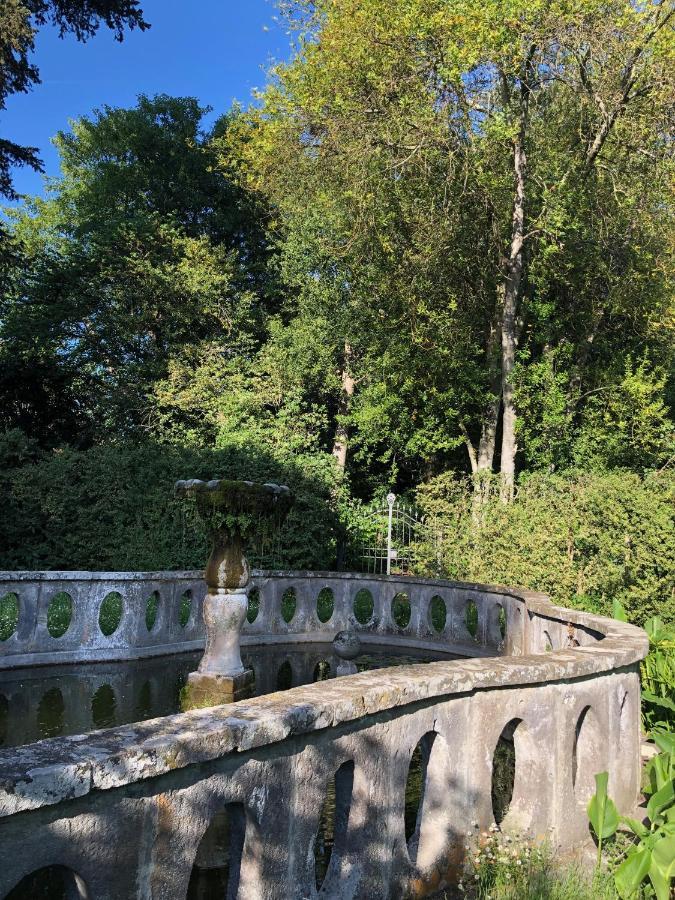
388 539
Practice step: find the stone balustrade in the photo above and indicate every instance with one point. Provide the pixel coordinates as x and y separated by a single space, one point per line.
126 811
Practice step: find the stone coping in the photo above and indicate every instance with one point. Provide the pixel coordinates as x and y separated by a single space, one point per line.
58 769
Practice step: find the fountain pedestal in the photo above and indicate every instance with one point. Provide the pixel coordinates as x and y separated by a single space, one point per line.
232 512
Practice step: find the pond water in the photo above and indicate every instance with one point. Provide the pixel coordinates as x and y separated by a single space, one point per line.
43 702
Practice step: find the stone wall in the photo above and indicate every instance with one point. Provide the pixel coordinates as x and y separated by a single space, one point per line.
127 808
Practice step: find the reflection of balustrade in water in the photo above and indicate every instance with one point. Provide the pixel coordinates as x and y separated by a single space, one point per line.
559 688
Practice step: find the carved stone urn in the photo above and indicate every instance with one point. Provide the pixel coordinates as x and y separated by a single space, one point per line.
232 511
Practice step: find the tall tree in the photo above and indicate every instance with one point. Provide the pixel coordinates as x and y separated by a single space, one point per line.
19 22
484 172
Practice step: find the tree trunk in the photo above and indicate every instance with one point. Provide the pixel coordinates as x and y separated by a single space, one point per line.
513 275
341 442
488 432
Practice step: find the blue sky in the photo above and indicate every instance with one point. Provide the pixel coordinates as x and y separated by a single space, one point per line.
215 50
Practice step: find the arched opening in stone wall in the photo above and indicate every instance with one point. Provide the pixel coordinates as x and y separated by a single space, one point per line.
217 866
4 719
364 606
144 701
59 614
184 608
151 608
426 816
253 607
504 771
50 713
588 754
438 613
50 883
110 613
400 610
289 603
329 844
321 670
9 615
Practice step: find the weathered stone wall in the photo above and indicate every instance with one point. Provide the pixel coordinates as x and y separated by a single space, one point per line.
126 808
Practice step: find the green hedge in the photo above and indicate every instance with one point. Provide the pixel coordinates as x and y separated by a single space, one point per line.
112 508
584 538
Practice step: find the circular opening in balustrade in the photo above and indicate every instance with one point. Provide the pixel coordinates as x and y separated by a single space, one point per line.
400 610
59 614
53 882
184 608
151 608
110 613
504 771
285 676
288 604
331 834
471 618
9 615
364 606
217 864
321 671
104 707
438 613
325 604
253 605
51 713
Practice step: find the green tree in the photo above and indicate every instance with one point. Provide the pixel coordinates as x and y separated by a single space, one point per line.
143 256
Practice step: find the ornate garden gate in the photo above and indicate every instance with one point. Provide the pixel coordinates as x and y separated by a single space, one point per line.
390 536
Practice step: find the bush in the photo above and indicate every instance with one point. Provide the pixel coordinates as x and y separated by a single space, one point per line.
585 538
112 507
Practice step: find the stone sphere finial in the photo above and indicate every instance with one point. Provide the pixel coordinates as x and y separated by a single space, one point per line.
347 644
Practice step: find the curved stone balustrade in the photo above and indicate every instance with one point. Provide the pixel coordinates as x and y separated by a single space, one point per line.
563 686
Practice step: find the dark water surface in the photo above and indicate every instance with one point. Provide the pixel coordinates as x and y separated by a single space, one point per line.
49 701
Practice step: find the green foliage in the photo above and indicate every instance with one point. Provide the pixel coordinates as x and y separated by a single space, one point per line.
112 508
9 615
658 677
585 539
652 855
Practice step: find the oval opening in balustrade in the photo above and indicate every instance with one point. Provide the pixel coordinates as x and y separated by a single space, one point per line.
589 755
331 833
184 608
288 604
504 771
9 615
50 883
426 811
253 605
321 671
104 707
438 613
59 614
471 618
217 865
151 609
325 604
110 613
364 606
4 719
51 713
400 610
285 676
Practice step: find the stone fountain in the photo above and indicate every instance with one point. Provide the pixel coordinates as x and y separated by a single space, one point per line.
233 511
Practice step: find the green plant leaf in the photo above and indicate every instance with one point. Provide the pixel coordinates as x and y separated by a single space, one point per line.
636 827
660 883
618 612
602 813
663 856
661 800
631 873
665 741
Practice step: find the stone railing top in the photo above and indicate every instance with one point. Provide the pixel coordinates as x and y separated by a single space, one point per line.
63 768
